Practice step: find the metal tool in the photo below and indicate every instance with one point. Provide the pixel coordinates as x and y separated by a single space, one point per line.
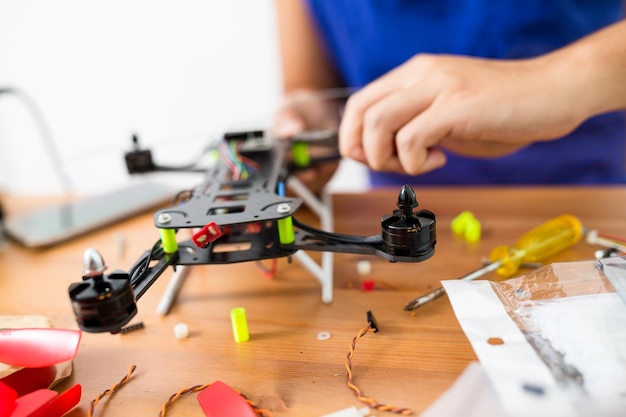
538 244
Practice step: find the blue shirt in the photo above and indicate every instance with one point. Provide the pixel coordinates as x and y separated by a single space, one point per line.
367 38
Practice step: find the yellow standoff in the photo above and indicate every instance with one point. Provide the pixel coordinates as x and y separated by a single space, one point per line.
240 324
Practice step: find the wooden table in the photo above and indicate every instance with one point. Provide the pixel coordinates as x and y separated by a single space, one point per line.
284 367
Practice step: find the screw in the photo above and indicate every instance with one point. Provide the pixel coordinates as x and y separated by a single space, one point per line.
283 208
164 218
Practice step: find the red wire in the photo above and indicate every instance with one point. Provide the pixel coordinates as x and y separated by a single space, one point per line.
270 272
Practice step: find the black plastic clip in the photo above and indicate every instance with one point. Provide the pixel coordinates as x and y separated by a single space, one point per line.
372 321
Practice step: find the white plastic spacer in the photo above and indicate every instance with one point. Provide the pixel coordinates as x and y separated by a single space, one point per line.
181 331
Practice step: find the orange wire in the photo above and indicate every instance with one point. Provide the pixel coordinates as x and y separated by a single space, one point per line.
259 411
359 394
111 390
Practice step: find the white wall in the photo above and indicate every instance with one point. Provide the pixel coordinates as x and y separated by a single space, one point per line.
178 73
175 72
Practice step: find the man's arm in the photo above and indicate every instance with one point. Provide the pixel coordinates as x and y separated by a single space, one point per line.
305 64
597 63
482 107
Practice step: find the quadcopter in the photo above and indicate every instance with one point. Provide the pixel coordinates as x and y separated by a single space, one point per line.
240 213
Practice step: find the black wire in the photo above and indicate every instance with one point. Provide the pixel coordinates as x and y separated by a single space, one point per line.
337 237
45 134
190 167
139 269
186 168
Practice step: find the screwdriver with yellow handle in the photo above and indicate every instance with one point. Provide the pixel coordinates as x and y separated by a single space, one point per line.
540 243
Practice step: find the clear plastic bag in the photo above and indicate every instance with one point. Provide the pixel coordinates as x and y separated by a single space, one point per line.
574 316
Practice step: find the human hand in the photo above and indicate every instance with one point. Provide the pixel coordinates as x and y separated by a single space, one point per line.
306 110
474 107
309 111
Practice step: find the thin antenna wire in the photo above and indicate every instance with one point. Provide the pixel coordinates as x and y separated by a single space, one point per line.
46 136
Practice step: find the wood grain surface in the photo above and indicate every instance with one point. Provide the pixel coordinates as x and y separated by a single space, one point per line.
414 358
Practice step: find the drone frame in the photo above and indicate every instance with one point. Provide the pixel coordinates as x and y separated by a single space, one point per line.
241 213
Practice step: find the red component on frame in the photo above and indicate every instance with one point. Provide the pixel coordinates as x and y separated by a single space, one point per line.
207 234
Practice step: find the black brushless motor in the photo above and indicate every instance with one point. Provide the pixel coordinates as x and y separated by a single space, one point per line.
102 303
407 233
